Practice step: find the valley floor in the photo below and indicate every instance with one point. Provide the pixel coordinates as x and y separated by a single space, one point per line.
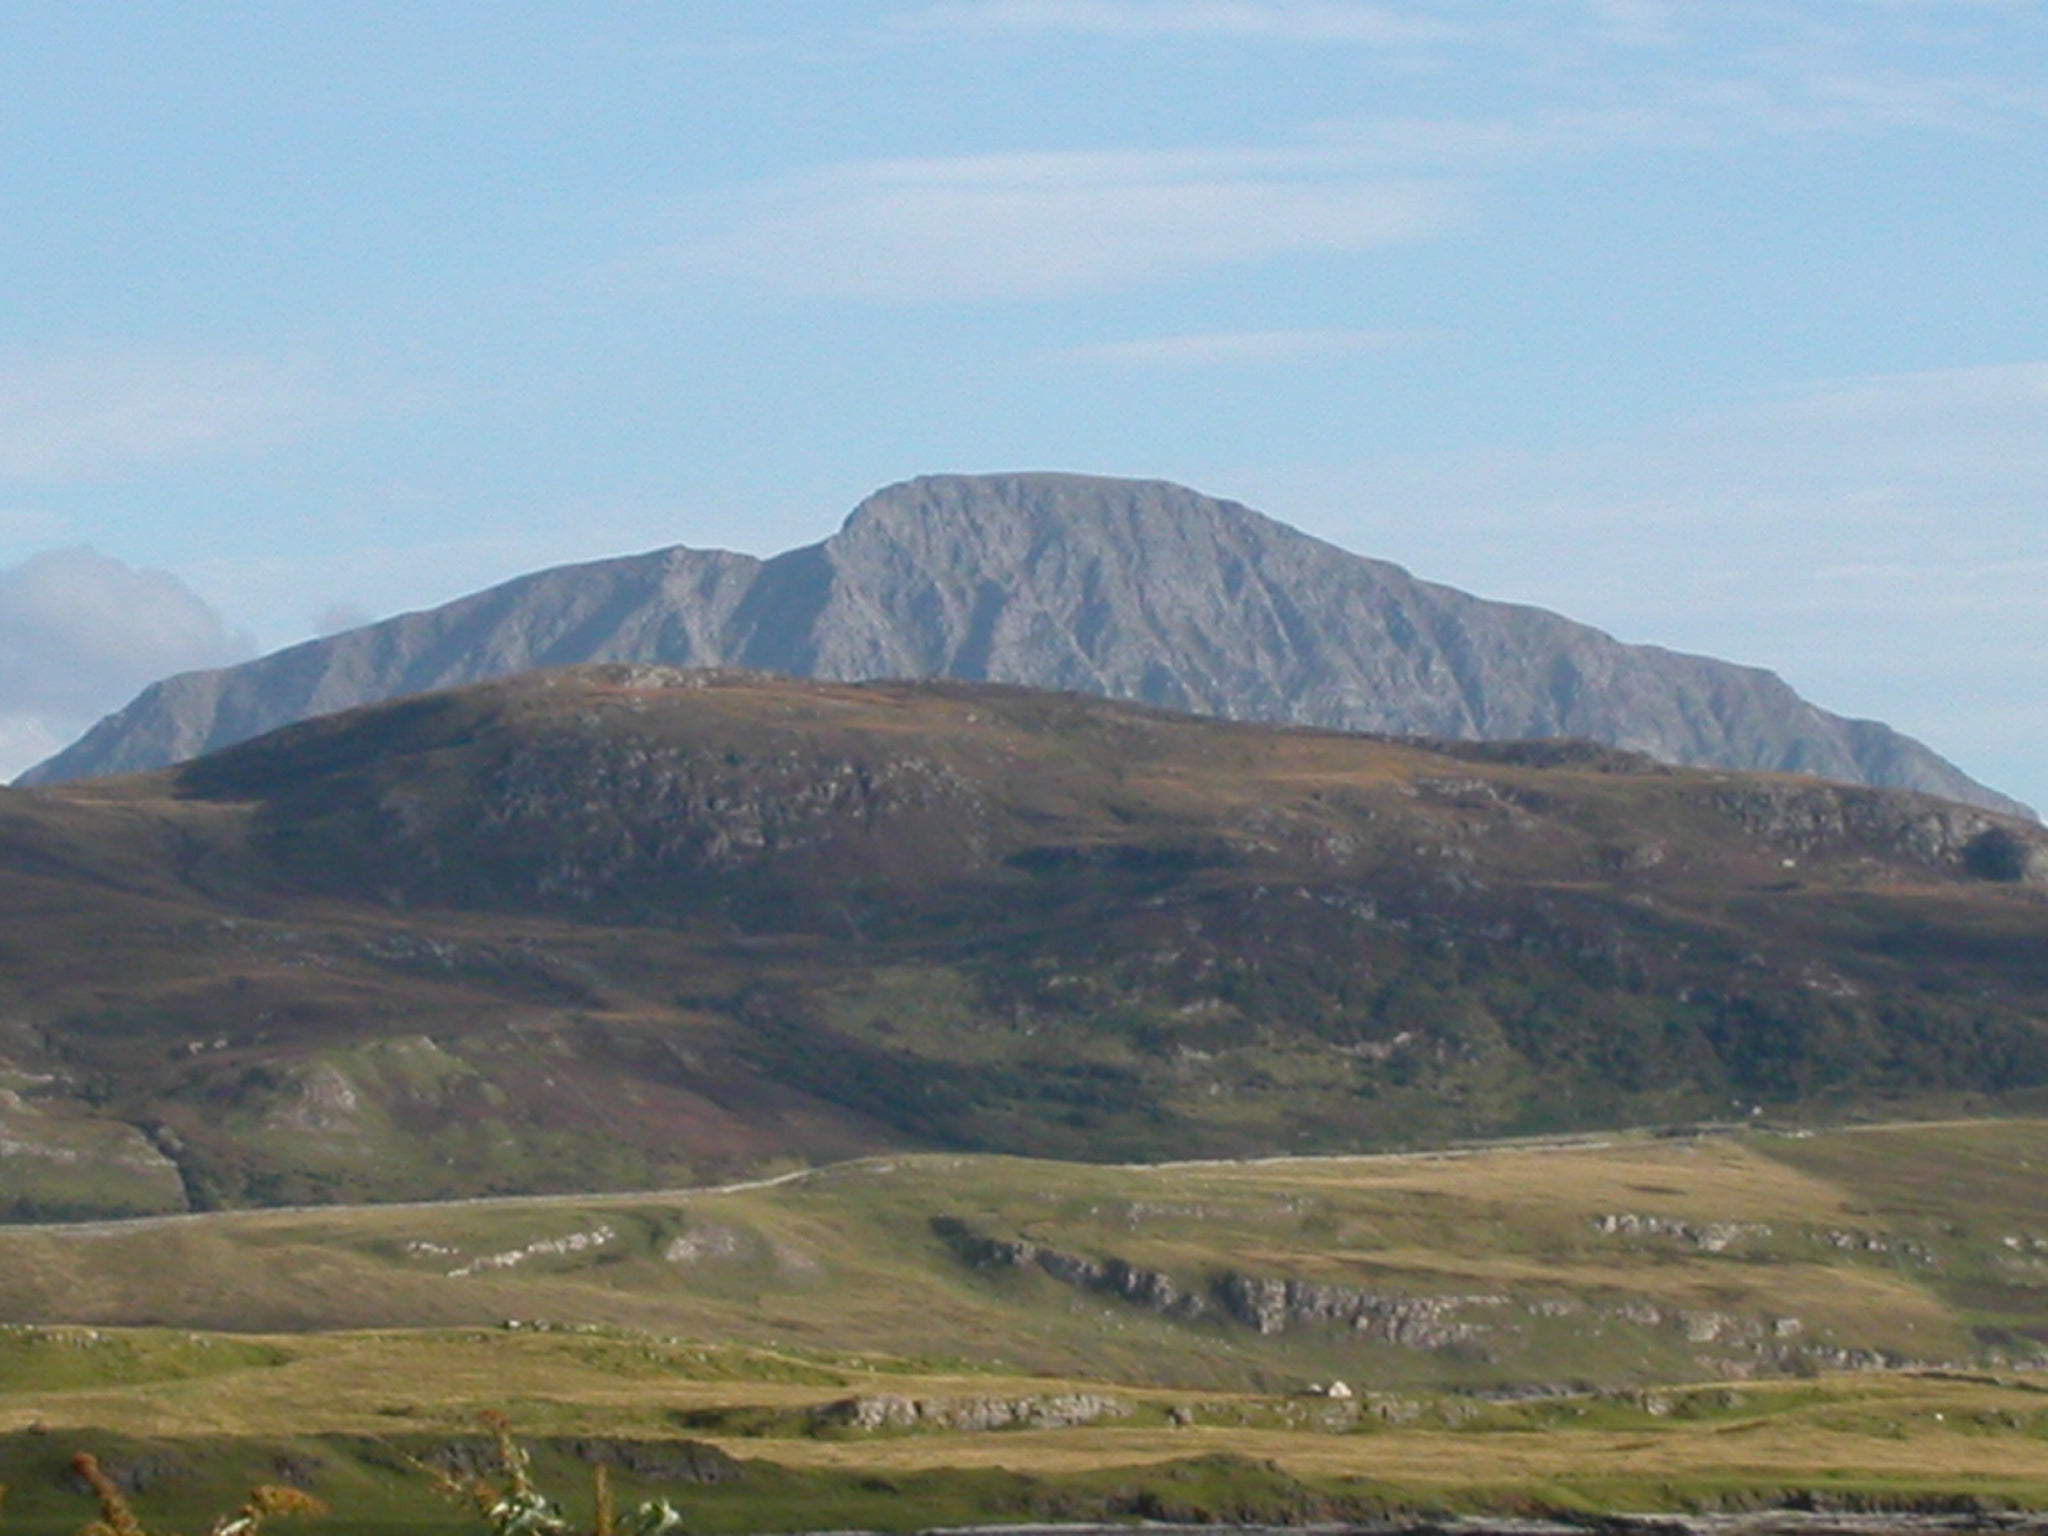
1631 1323
761 1440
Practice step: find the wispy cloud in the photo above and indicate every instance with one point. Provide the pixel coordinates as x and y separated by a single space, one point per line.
87 414
1032 225
1778 29
1907 436
1892 97
1234 349
1045 225
1888 575
81 633
1993 393
1301 20
1702 71
1586 78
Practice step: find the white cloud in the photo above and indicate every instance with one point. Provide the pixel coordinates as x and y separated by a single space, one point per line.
1596 77
26 740
87 414
1033 225
1298 20
1042 225
1229 349
80 634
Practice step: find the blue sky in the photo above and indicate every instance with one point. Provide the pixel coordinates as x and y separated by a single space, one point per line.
1719 325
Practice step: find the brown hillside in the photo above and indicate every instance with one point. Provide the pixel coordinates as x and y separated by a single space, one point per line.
620 926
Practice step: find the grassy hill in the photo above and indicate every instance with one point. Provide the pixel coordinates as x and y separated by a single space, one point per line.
624 928
1613 1322
1604 1262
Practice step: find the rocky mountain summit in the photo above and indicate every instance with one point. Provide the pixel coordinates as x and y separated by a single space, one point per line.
1135 590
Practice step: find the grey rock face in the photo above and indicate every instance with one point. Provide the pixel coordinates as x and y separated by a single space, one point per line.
1130 589
1059 1410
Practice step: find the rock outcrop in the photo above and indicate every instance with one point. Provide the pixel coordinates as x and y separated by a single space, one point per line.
1150 1288
1413 1322
753 917
1267 1305
1475 1327
1130 589
889 1410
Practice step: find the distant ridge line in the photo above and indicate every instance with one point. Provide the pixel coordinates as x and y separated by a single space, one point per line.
1131 589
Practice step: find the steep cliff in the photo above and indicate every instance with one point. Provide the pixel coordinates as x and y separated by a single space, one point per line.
1129 589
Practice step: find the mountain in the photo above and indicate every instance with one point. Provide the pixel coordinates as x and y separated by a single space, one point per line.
1128 589
621 926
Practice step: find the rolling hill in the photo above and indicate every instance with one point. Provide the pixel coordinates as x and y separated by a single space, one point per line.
1841 1321
622 927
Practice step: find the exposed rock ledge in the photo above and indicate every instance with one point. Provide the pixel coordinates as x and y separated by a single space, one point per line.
888 1410
1266 1304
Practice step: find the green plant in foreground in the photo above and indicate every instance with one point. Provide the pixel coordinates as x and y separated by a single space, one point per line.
267 1501
521 1509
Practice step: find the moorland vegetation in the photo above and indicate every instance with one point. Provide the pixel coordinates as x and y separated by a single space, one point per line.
624 928
1848 1319
827 973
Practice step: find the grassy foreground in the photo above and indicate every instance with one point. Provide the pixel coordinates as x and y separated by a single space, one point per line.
1634 1323
747 1440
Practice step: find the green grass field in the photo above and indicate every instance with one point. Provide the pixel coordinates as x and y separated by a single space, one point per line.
1684 1306
342 1413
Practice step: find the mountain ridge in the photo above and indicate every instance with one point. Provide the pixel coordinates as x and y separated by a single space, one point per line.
1131 589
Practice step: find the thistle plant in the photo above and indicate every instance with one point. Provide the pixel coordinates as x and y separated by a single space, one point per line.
266 1501
116 1517
519 1508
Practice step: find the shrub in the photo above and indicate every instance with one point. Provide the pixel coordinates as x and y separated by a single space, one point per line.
518 1508
267 1501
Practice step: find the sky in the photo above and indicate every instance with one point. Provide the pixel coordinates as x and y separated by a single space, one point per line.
1720 325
